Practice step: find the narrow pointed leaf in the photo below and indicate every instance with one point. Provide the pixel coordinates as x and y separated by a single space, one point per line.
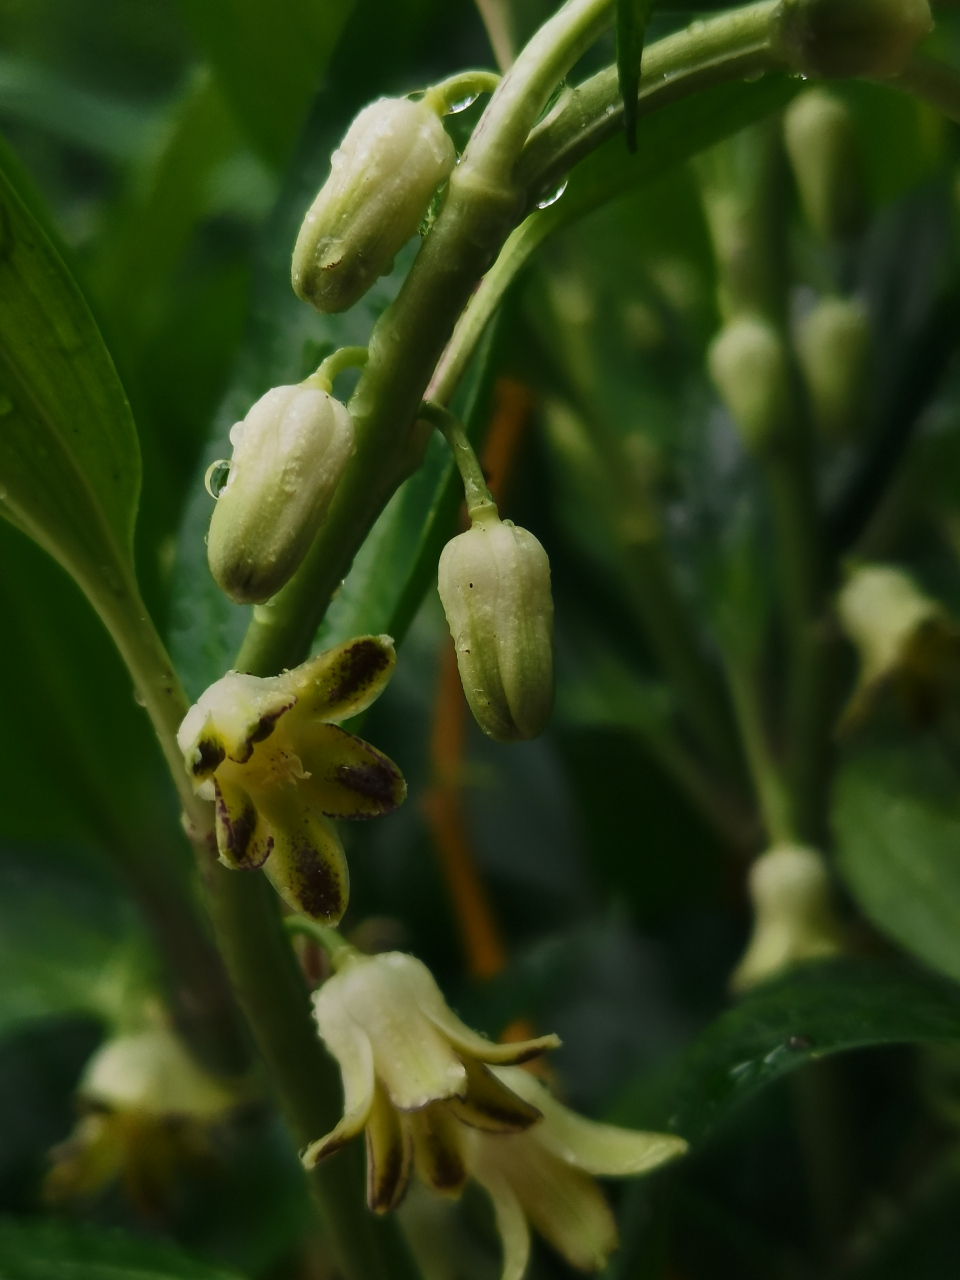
69 456
632 19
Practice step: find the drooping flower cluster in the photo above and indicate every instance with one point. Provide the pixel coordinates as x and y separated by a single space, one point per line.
270 753
436 1098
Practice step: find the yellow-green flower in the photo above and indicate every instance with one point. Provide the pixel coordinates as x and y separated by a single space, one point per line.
544 1177
147 1108
270 754
412 1071
436 1098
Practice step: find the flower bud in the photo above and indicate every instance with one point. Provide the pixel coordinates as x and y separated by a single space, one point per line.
833 345
818 131
289 454
382 178
494 582
794 920
851 37
749 369
901 635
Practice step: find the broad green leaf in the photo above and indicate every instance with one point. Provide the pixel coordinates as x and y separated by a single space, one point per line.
69 943
632 19
45 1250
819 1010
268 60
896 819
69 458
149 231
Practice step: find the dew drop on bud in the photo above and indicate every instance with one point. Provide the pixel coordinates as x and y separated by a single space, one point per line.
462 103
215 481
552 196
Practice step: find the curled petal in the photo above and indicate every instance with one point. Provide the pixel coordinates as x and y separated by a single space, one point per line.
352 1050
430 999
436 1149
306 866
604 1150
565 1205
230 718
389 1155
244 840
415 1064
346 777
343 681
512 1226
490 1106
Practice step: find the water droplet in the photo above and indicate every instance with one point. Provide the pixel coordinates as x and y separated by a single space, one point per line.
552 196
6 405
215 481
461 104
138 698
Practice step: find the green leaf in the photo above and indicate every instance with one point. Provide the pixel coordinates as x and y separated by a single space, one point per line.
632 19
818 1010
69 944
896 818
69 458
268 60
38 1250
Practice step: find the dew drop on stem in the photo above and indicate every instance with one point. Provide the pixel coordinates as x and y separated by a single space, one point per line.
215 480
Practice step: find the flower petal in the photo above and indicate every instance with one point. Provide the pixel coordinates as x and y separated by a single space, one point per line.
469 1042
243 839
389 1155
307 866
415 1064
343 681
352 1050
490 1106
512 1225
230 718
566 1206
604 1150
436 1149
347 778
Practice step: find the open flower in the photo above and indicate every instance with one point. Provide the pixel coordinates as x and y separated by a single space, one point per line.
435 1097
412 1072
146 1111
270 754
545 1177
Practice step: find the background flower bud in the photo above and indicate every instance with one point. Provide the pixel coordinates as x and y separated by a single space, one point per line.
833 346
794 920
394 156
749 368
852 37
289 454
819 134
494 582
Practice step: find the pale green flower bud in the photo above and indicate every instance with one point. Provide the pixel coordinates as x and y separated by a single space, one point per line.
833 346
289 454
494 582
818 131
382 178
794 920
749 369
851 37
901 635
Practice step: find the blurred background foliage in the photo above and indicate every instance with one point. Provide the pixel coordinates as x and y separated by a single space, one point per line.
591 882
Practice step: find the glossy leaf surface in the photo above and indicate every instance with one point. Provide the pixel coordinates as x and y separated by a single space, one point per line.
46 1251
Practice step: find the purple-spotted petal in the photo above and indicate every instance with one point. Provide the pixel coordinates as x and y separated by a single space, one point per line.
343 681
306 866
347 778
244 840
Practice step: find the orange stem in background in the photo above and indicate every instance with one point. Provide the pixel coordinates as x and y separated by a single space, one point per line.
443 803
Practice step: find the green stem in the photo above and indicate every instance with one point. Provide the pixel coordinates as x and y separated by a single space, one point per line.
481 207
331 940
479 499
341 359
262 967
465 85
772 795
